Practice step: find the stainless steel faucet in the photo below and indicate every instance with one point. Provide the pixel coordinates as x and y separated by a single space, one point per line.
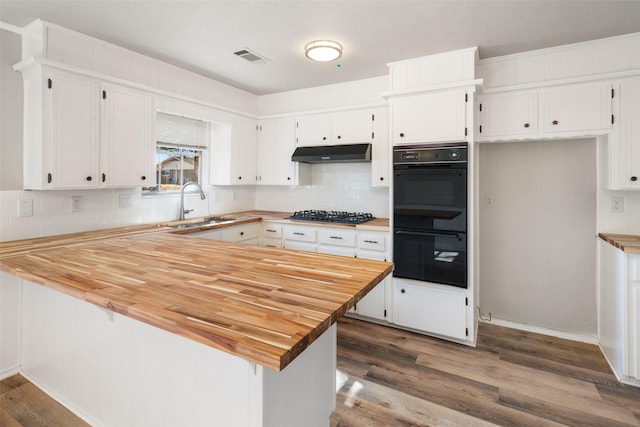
184 211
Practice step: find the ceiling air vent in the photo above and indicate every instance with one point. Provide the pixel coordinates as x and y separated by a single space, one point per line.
250 56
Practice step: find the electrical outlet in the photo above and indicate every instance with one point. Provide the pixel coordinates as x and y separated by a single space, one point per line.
125 200
76 204
488 201
25 207
617 204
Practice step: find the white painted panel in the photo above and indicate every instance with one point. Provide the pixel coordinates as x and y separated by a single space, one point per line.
9 325
553 65
81 52
54 44
509 72
117 62
492 74
140 70
634 330
337 237
577 62
451 68
611 55
634 52
427 74
337 250
530 69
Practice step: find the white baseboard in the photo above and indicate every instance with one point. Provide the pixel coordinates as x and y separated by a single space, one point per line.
589 339
9 372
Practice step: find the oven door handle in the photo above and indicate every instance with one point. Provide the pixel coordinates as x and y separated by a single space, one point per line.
427 233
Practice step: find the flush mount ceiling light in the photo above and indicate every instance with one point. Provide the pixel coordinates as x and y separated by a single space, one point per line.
323 50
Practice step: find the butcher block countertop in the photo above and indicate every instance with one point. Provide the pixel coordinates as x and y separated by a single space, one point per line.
265 305
626 242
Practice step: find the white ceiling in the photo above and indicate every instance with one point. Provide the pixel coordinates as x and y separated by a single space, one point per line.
202 35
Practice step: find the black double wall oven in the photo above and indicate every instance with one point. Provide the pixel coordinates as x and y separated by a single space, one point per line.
430 214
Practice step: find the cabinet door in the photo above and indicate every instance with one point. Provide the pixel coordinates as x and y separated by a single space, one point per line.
352 127
128 145
313 130
373 304
233 152
380 149
74 113
430 308
508 115
631 134
438 117
241 233
634 316
581 108
243 149
276 142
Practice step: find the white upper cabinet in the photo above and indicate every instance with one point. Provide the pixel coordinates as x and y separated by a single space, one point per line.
71 112
505 115
434 117
129 145
558 112
344 127
75 138
233 152
276 143
352 127
579 108
313 130
381 149
630 138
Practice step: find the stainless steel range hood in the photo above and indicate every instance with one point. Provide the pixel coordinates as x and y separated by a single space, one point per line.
333 154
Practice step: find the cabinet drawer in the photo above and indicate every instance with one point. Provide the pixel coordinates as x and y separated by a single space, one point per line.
372 242
300 246
271 231
337 237
271 243
337 250
240 233
300 234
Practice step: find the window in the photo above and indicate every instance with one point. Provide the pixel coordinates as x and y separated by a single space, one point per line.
180 150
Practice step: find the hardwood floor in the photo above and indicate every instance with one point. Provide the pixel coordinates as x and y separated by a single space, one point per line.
389 377
512 378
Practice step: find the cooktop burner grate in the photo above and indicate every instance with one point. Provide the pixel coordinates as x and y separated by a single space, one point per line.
333 216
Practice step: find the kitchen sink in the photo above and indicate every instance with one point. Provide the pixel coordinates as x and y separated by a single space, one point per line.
203 224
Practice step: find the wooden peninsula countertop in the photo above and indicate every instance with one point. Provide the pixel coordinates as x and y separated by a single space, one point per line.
625 242
265 305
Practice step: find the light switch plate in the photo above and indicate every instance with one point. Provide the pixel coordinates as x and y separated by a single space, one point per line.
25 207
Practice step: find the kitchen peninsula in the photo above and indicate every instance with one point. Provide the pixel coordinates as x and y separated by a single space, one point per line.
143 326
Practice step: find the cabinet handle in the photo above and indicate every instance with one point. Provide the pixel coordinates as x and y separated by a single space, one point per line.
339 137
49 178
270 231
288 178
298 234
335 237
401 135
143 177
239 178
89 178
402 291
526 125
555 122
104 177
242 233
382 178
324 138
371 241
634 178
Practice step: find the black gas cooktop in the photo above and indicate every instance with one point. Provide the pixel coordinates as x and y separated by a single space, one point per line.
333 216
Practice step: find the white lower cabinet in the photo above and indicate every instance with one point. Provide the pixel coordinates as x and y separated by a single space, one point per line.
430 308
619 310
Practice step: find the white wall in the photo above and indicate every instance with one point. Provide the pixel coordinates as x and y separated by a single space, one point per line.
538 236
10 113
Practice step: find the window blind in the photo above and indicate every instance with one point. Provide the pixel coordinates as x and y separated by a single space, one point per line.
181 132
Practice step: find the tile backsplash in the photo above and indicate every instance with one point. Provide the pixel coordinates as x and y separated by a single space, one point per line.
334 187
